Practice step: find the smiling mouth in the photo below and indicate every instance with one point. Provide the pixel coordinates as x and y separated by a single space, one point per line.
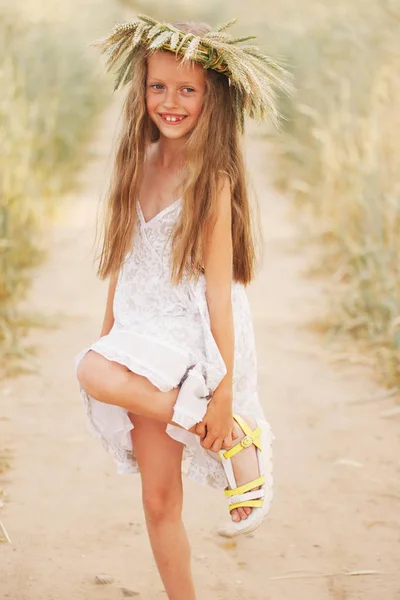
172 119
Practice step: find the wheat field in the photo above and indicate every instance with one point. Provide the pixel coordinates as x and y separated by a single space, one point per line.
339 158
52 93
337 155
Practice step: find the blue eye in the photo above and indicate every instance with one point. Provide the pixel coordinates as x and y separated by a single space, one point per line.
189 89
157 86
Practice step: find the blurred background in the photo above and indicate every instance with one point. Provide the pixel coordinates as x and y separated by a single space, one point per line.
334 166
337 155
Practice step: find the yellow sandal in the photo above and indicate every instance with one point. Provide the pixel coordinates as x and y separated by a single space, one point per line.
245 495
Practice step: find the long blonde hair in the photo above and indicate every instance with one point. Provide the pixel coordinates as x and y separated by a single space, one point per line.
213 148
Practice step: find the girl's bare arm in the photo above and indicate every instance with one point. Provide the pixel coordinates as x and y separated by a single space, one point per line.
108 320
217 425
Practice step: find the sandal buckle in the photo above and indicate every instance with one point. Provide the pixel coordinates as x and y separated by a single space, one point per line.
246 441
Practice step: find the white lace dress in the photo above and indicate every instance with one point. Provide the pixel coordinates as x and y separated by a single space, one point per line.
159 331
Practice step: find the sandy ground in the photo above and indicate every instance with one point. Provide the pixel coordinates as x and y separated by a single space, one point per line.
71 517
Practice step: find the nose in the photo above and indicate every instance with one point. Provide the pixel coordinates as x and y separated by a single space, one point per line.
171 98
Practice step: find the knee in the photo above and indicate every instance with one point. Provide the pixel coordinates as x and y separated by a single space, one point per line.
88 373
162 505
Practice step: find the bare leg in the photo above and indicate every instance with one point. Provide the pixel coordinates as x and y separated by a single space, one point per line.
159 458
112 383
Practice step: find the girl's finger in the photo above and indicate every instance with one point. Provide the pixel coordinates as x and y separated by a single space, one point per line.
217 445
201 429
207 442
228 442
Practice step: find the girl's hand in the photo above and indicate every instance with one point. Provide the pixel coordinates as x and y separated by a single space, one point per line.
216 430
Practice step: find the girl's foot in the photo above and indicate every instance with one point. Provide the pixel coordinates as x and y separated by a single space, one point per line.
249 476
245 467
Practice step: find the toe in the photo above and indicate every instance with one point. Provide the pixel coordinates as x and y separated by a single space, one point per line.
235 515
248 509
242 513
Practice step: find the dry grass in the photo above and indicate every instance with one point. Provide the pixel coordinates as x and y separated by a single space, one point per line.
51 96
340 159
5 458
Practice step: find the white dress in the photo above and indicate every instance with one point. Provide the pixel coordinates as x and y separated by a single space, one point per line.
159 331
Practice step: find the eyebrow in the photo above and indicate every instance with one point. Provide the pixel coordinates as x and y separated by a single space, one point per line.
180 82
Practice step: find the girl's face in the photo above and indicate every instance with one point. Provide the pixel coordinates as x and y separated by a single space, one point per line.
174 94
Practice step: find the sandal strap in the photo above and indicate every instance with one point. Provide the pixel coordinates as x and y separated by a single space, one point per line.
255 495
252 437
248 504
242 423
246 487
247 429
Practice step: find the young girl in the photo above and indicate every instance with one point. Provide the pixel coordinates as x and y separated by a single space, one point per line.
173 374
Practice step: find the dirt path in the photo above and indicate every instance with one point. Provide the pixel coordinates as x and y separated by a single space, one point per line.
70 516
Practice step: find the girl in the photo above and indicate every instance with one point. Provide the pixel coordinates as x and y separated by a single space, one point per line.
174 371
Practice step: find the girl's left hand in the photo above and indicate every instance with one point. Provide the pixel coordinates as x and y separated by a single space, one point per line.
216 430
